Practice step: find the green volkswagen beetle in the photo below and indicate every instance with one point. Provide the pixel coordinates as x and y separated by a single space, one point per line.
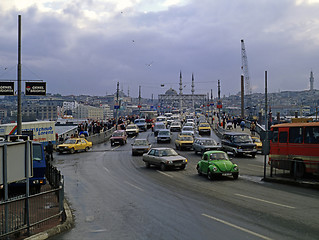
217 163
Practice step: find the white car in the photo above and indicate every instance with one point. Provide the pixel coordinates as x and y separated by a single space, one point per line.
175 127
188 130
132 130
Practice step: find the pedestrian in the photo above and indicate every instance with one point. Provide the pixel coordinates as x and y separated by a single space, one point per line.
49 150
252 128
242 125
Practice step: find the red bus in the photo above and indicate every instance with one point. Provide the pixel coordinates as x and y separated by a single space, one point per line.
295 147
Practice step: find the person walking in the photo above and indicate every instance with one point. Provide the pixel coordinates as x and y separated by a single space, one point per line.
49 150
252 128
242 125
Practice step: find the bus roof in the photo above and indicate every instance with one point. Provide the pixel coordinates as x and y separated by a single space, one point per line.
285 125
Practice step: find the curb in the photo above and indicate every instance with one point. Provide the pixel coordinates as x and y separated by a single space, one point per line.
66 225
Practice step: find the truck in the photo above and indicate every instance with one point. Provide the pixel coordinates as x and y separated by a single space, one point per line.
41 131
16 156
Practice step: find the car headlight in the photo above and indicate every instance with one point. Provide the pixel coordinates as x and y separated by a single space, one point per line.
235 168
214 168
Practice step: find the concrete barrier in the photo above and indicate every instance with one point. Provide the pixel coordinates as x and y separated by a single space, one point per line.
101 137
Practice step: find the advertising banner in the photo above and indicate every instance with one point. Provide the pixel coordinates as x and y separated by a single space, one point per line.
35 88
7 88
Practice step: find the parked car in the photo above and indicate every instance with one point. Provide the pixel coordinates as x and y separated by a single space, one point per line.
164 158
175 126
132 130
141 123
184 142
118 136
73 145
216 163
158 126
258 142
164 135
140 146
205 144
238 143
204 128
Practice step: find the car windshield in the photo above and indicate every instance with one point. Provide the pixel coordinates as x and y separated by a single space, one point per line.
209 142
256 140
130 127
70 141
168 152
166 133
117 134
204 125
186 138
187 129
37 152
218 156
160 126
140 143
242 139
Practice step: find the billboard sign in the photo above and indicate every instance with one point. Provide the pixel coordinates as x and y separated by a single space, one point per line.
35 88
7 88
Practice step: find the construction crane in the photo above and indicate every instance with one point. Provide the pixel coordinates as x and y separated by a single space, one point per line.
246 78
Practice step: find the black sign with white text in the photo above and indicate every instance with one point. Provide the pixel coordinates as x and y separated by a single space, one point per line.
35 88
6 88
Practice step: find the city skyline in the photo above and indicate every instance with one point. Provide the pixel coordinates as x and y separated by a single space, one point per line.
86 47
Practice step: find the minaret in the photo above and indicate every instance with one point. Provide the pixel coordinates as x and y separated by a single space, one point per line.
180 90
311 81
193 91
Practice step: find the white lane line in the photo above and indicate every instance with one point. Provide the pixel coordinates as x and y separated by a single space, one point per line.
265 201
237 227
254 165
106 169
167 175
132 185
115 148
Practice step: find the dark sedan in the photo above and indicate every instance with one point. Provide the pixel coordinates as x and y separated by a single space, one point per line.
205 144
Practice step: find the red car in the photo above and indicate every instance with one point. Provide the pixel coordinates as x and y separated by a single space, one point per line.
119 136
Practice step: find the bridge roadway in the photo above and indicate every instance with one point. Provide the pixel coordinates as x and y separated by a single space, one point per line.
114 196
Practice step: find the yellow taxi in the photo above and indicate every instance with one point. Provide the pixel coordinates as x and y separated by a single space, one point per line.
258 142
73 145
204 128
184 142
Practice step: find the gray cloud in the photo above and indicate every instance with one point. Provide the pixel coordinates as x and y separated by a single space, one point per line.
75 54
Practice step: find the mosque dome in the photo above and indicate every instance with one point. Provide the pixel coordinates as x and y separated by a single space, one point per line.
171 91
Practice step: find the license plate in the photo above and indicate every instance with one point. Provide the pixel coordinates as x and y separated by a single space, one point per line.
226 174
178 165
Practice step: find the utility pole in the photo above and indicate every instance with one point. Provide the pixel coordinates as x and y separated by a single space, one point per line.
180 91
117 103
193 91
242 96
19 114
218 100
139 101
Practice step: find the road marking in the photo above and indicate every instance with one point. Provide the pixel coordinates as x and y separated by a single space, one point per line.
256 165
115 148
132 185
261 200
106 169
237 227
167 175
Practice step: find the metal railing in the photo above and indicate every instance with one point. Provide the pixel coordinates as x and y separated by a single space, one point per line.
25 215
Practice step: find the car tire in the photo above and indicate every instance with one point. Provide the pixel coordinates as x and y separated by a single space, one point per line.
72 150
209 175
198 170
86 149
147 165
253 155
183 167
163 167
235 176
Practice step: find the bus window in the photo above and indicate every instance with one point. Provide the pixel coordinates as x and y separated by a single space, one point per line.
283 136
312 135
295 135
275 135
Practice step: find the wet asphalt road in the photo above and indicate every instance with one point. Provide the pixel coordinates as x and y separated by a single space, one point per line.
115 197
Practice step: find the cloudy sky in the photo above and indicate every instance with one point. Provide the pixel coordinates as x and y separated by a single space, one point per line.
87 46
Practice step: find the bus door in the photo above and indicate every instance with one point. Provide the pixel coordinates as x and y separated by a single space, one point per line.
281 150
